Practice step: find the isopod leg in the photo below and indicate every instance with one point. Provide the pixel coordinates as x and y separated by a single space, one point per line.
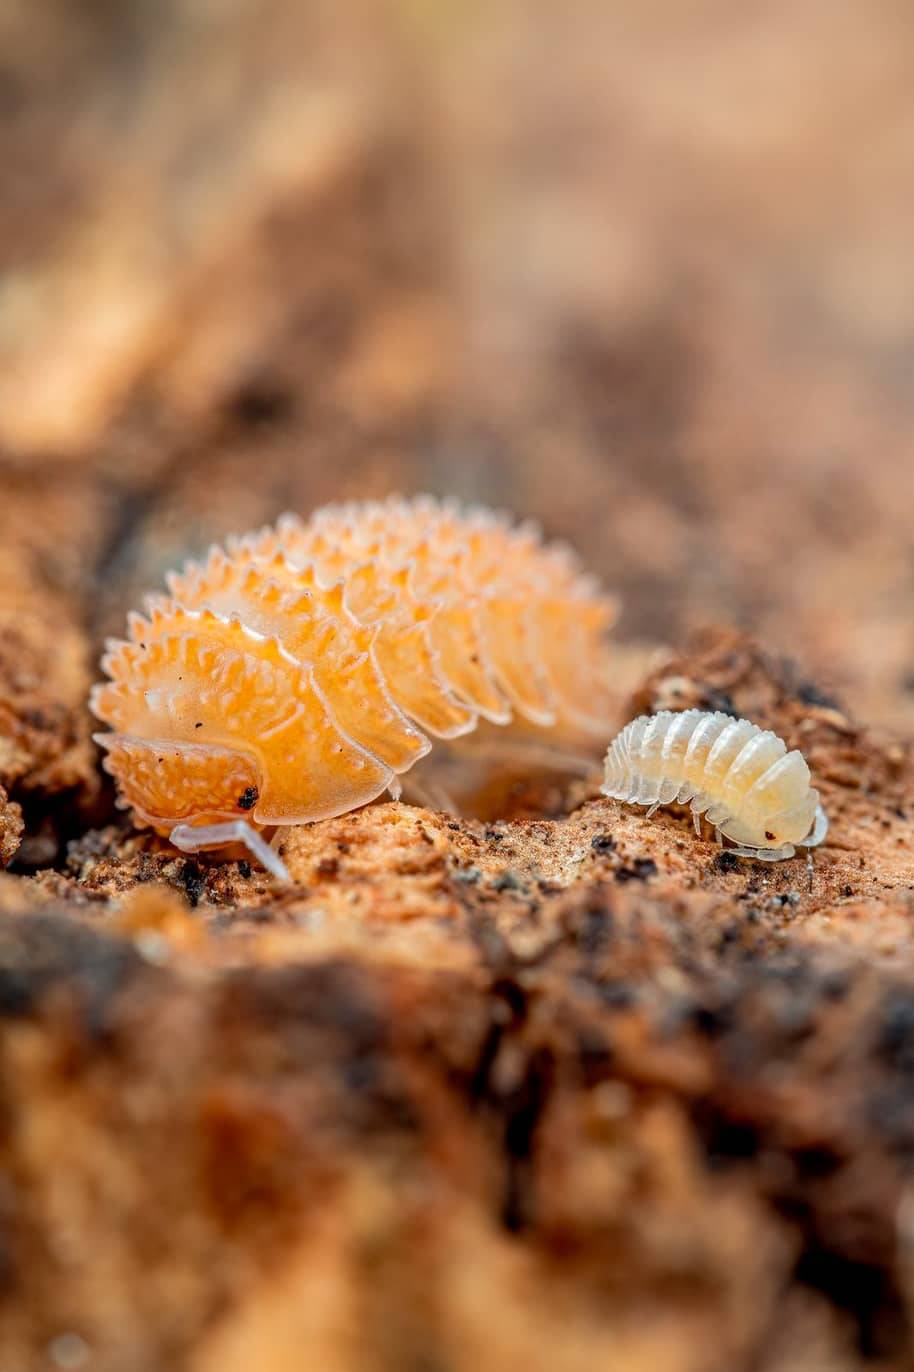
764 854
192 838
653 810
431 795
696 820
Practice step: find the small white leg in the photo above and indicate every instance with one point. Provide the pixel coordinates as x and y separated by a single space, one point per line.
764 854
192 838
431 795
696 820
395 789
653 810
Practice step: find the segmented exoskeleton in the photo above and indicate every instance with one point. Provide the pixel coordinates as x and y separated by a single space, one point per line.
740 777
298 672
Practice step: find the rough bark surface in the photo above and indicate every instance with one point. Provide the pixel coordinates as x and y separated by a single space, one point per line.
535 1092
551 1087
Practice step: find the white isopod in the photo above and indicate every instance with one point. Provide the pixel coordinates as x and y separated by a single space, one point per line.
754 792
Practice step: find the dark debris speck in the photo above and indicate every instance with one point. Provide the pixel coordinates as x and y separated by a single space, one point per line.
896 1032
193 881
811 694
640 870
44 950
594 928
712 699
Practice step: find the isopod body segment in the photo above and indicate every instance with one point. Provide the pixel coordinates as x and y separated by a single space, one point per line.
740 777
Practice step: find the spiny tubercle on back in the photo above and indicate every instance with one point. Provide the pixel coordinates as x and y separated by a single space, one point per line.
741 777
294 674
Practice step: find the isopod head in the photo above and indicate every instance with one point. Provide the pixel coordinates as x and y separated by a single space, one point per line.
779 811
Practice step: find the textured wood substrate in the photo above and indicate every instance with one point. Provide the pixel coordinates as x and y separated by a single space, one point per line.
48 766
542 1094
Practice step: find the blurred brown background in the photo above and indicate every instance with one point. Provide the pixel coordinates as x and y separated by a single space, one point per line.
643 271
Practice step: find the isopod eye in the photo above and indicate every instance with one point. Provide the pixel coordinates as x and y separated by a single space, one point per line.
770 836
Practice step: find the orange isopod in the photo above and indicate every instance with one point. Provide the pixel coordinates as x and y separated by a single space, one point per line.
298 672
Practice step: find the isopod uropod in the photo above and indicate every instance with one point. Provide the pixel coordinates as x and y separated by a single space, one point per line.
298 672
755 792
